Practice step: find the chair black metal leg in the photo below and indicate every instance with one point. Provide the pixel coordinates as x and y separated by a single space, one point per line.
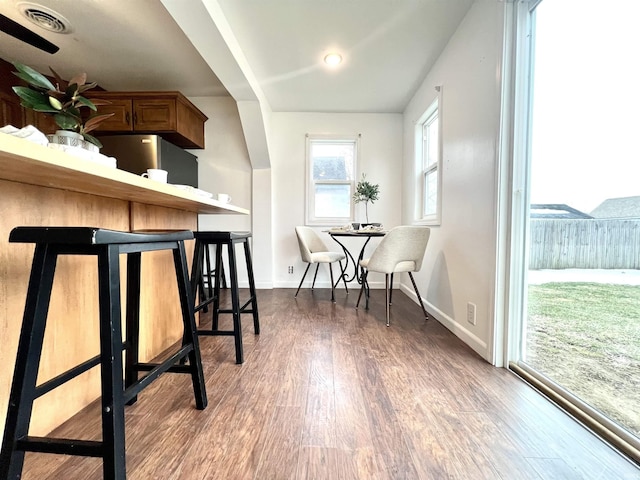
235 303
196 271
188 319
302 279
314 276
223 278
367 291
391 291
387 296
201 295
415 287
333 298
207 257
113 440
252 289
197 286
216 290
133 321
27 362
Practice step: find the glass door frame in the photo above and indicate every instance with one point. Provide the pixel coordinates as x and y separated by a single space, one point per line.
514 227
513 182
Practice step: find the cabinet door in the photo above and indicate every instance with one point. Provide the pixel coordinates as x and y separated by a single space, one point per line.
45 123
122 121
11 113
154 115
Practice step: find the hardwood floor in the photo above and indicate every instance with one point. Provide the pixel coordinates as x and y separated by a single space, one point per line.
328 392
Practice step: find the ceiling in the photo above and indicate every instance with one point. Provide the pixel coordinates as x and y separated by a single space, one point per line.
273 47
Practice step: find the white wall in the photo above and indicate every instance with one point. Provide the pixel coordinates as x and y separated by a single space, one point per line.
380 158
261 211
459 265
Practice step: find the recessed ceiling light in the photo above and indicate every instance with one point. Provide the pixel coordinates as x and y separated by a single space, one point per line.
333 59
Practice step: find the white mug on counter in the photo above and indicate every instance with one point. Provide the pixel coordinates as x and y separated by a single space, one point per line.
156 174
224 198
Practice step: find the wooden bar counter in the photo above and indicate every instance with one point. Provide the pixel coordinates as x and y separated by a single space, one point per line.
42 186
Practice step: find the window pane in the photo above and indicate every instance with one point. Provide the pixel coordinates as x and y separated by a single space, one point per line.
432 147
427 162
331 169
430 192
332 161
332 201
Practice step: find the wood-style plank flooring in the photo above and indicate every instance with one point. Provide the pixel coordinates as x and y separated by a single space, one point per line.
328 392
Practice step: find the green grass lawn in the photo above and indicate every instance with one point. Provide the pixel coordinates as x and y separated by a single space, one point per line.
586 337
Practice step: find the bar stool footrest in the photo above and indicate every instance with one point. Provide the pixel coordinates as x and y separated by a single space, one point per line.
203 304
216 332
145 367
155 370
243 308
64 446
70 374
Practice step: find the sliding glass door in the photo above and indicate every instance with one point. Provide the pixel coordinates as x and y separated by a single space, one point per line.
580 271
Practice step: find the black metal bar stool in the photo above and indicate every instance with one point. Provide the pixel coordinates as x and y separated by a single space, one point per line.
107 245
220 239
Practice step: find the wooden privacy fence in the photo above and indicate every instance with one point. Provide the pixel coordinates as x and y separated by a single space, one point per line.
584 243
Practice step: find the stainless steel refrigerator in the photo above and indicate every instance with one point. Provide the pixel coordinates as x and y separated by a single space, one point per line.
136 153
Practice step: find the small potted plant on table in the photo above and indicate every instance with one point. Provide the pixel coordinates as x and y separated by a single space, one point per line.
366 192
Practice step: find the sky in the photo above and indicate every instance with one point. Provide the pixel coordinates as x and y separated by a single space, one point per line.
586 109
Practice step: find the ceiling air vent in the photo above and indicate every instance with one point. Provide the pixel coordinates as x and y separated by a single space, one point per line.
45 17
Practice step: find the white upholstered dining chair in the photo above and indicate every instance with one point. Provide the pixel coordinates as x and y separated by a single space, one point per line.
313 250
401 250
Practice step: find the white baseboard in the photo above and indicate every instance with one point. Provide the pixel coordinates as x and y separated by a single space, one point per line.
324 284
259 285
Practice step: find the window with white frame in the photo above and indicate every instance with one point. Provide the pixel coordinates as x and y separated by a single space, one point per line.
331 167
428 166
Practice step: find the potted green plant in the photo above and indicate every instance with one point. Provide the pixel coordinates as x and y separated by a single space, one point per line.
366 192
63 101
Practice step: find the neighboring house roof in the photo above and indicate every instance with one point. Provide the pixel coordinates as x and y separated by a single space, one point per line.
555 210
623 207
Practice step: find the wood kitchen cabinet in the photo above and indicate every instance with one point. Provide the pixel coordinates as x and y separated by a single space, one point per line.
45 123
11 112
168 114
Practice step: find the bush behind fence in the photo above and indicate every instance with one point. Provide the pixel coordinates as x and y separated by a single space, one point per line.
584 243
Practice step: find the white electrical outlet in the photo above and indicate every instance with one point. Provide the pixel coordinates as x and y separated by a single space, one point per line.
471 313
290 269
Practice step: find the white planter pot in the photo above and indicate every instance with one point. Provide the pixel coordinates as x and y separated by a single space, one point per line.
71 139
